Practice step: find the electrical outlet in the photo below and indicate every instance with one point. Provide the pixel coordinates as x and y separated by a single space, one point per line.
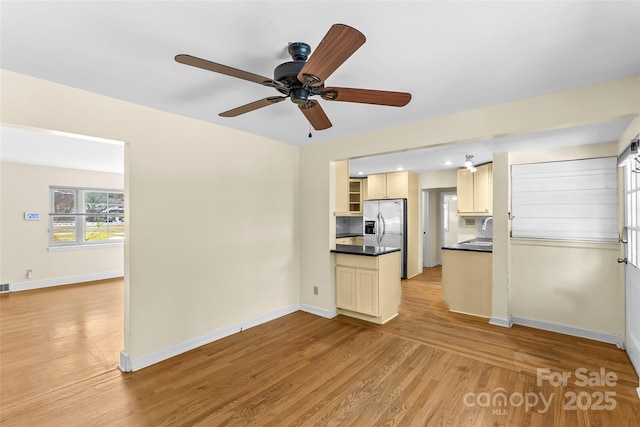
315 290
29 274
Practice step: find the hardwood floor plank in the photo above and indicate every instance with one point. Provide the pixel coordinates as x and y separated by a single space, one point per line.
59 350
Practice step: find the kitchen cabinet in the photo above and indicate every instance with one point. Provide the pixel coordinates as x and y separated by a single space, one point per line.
391 185
342 188
475 191
467 281
401 185
357 290
368 287
356 191
349 192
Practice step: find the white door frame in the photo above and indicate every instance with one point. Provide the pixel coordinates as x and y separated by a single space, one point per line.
441 225
632 275
426 230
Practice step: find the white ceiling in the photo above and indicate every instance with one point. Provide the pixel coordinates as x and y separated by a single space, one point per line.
435 158
452 56
55 149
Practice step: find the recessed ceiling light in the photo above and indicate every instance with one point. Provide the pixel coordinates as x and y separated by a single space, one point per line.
448 163
360 173
400 168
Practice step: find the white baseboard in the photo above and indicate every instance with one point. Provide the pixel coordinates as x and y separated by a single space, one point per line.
125 362
128 364
570 330
633 351
499 321
67 280
329 314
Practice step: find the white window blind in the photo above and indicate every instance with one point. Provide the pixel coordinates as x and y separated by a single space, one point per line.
570 200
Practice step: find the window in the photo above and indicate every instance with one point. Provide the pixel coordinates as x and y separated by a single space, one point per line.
83 216
569 200
632 214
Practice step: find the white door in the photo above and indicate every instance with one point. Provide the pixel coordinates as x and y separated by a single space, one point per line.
426 231
448 221
632 272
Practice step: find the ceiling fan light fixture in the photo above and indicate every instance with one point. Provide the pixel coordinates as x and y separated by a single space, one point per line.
468 163
299 95
304 77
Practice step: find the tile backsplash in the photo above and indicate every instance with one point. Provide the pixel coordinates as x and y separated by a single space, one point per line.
348 225
471 227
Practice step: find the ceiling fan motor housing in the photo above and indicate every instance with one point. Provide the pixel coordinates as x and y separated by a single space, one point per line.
299 51
287 73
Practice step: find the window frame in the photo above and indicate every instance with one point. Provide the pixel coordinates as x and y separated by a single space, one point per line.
541 222
80 215
632 214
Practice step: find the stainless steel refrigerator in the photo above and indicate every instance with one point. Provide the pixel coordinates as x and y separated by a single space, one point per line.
385 224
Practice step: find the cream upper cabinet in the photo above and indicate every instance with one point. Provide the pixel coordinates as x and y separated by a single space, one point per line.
401 185
342 187
397 185
475 191
349 192
356 193
483 190
377 186
392 185
465 191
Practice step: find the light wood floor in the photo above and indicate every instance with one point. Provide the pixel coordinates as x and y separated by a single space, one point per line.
59 350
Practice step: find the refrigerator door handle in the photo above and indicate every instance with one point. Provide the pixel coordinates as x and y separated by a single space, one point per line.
384 227
379 230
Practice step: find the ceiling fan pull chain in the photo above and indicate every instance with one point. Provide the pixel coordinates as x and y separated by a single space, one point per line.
310 134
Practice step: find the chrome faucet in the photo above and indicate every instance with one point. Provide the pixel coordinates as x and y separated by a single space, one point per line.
484 224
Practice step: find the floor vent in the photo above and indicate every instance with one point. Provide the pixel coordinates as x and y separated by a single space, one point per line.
4 287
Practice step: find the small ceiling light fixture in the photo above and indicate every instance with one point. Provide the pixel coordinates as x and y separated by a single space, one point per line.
400 168
448 163
469 163
360 173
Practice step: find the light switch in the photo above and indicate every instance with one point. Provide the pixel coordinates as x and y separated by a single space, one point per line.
32 216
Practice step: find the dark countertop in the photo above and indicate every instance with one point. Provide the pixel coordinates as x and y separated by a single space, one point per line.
363 250
479 246
348 235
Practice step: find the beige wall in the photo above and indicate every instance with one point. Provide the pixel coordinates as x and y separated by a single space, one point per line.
605 101
227 251
568 283
25 188
206 277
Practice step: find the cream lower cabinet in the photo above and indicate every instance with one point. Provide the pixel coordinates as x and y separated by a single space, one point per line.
467 281
368 287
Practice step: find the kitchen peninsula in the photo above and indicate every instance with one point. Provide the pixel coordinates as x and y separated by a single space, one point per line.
368 282
467 276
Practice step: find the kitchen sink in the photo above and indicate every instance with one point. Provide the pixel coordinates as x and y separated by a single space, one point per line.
477 243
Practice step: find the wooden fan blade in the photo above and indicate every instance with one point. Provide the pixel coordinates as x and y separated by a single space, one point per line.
336 47
253 106
366 96
315 114
223 69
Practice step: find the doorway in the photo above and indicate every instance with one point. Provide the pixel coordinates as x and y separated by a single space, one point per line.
78 248
449 223
632 272
440 223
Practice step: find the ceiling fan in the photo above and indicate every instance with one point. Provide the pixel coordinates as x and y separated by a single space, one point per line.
301 79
